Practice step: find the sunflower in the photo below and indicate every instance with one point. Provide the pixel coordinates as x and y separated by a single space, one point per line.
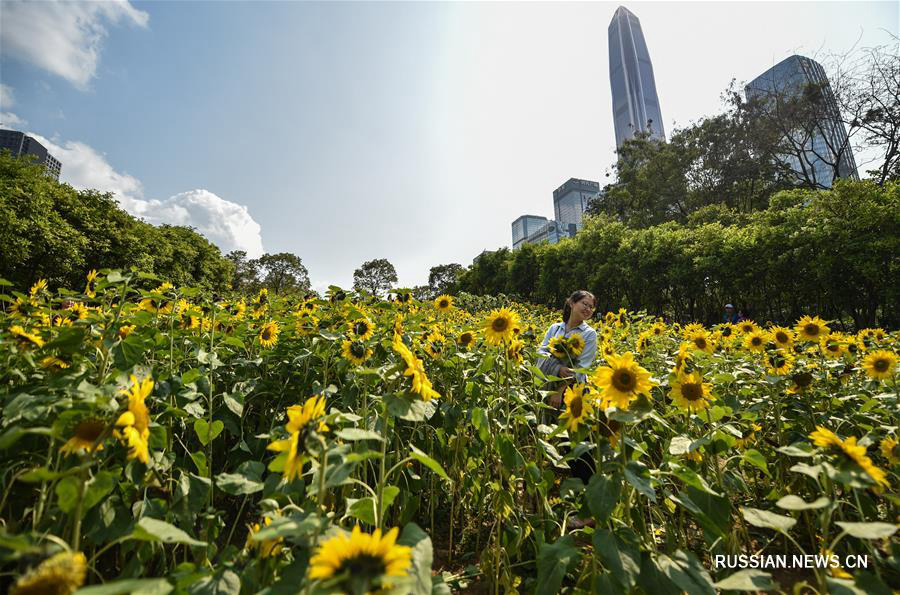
84 436
135 422
691 329
498 327
26 339
443 303
658 329
267 547
53 363
355 352
727 330
702 341
825 438
828 440
360 560
621 381
690 392
755 341
832 347
125 330
268 334
812 328
783 337
558 347
294 457
81 311
465 339
890 449
642 343
300 419
361 328
800 382
237 309
748 437
611 430
89 288
514 350
60 574
578 406
421 385
878 364
607 349
307 325
684 359
434 344
778 362
747 327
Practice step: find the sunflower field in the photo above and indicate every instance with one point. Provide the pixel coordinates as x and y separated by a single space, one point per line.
157 439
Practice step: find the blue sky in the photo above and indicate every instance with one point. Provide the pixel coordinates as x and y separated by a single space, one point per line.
343 132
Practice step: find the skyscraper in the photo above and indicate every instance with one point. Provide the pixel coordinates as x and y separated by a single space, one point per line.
20 143
818 144
525 226
634 98
571 200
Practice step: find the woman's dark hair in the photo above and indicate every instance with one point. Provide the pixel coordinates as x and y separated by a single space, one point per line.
574 299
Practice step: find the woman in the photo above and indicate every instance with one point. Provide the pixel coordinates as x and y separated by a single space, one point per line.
570 344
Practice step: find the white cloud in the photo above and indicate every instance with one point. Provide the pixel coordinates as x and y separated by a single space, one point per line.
7 100
226 224
63 37
9 120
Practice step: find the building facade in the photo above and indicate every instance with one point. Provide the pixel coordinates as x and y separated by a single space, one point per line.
525 226
19 143
571 200
634 99
821 145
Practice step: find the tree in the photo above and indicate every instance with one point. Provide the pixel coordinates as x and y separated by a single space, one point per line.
442 278
375 276
284 272
246 272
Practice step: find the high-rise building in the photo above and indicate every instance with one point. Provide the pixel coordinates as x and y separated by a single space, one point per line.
571 200
20 143
634 99
525 226
818 145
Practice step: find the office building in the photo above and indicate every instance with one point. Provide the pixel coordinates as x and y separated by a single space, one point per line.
571 200
817 144
19 143
634 99
525 226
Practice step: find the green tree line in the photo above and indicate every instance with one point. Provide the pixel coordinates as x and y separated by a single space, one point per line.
49 230
829 252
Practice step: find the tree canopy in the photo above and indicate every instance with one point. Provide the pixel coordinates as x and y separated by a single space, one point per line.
375 276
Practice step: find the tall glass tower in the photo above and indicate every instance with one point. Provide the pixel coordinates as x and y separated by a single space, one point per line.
818 146
634 99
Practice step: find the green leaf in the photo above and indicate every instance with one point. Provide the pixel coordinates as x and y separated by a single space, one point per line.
235 403
191 376
354 434
200 462
509 454
410 408
602 495
134 586
150 529
237 484
796 503
810 470
622 557
428 462
362 509
10 437
680 445
798 449
553 562
482 424
223 582
686 571
97 489
206 433
756 458
422 558
639 476
768 520
748 580
67 494
868 530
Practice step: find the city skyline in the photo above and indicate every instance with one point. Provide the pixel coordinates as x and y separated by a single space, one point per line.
344 132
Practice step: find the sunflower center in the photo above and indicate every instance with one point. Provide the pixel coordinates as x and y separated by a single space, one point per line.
624 381
89 430
700 342
803 379
360 328
726 332
500 324
357 349
777 361
833 347
364 565
881 364
266 334
781 337
692 391
444 304
756 341
811 329
577 407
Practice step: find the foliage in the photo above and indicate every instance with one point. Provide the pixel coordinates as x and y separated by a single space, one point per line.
375 276
831 251
173 441
442 277
50 230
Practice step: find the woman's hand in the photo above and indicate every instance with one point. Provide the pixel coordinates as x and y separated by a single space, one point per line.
565 372
556 399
